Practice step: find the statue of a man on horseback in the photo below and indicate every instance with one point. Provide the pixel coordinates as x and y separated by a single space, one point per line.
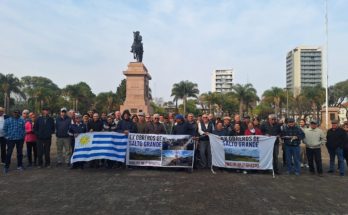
137 47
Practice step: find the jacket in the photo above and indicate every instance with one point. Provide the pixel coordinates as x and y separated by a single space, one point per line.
154 128
314 138
29 132
93 126
335 138
128 125
271 130
62 126
290 132
256 132
182 128
44 127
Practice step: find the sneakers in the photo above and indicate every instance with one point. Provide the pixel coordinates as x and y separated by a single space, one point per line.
20 168
306 165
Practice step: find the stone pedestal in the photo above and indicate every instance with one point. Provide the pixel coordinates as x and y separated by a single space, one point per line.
333 115
137 93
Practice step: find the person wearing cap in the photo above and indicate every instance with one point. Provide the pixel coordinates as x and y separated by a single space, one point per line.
181 126
44 128
141 123
292 136
14 131
63 123
272 128
335 142
3 117
314 138
75 129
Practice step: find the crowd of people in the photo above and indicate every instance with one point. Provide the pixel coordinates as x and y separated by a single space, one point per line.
301 144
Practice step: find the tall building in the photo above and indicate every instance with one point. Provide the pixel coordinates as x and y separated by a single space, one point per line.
303 68
222 80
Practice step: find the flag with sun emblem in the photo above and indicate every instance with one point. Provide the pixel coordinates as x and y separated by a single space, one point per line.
100 145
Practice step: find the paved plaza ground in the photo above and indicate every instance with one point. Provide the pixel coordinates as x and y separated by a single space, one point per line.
60 190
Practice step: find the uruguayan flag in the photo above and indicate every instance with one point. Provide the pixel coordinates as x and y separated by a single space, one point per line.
100 145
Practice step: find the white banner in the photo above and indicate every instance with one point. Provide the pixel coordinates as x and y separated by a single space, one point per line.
242 152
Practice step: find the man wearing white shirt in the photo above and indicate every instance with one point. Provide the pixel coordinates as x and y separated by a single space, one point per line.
2 135
204 128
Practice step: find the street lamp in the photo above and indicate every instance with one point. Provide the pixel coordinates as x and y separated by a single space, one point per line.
287 101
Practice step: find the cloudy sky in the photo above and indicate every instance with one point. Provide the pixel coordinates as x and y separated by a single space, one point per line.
71 41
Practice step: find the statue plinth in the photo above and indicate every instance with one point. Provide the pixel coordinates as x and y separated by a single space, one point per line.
137 85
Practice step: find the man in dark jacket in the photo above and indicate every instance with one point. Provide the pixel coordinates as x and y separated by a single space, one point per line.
44 128
126 125
335 142
292 136
271 128
155 127
63 123
181 127
95 125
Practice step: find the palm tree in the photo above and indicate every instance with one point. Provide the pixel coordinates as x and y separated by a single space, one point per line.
316 96
184 90
275 96
10 84
245 94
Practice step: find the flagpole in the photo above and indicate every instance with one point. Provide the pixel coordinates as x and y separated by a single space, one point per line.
327 67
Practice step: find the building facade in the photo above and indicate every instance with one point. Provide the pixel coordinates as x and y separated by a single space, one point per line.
222 80
304 68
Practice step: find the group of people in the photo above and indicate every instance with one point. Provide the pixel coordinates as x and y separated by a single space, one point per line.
298 142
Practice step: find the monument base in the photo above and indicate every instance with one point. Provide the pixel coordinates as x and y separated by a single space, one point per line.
137 89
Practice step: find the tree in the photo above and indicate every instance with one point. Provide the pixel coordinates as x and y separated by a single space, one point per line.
106 102
80 95
121 92
191 107
276 97
41 91
316 96
245 95
338 93
184 90
10 84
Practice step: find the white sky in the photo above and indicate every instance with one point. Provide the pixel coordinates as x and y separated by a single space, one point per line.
72 41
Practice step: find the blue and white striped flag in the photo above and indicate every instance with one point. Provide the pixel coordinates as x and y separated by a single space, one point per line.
100 145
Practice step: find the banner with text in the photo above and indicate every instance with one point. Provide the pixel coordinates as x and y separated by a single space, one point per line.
242 152
160 150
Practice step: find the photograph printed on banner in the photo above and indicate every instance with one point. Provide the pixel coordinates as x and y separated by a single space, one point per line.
242 154
177 158
138 153
177 144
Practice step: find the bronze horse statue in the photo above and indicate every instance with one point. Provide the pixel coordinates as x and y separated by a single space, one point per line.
137 47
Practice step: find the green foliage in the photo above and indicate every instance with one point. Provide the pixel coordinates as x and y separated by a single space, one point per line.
184 90
9 84
338 93
246 95
121 92
191 107
275 97
156 108
106 102
80 96
40 92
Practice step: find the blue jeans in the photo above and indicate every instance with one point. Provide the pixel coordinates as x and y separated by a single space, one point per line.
339 153
293 153
10 146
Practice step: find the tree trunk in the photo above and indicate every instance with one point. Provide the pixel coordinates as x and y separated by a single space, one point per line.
241 103
76 107
5 102
185 105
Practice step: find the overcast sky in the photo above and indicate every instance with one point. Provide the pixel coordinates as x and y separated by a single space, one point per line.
72 41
